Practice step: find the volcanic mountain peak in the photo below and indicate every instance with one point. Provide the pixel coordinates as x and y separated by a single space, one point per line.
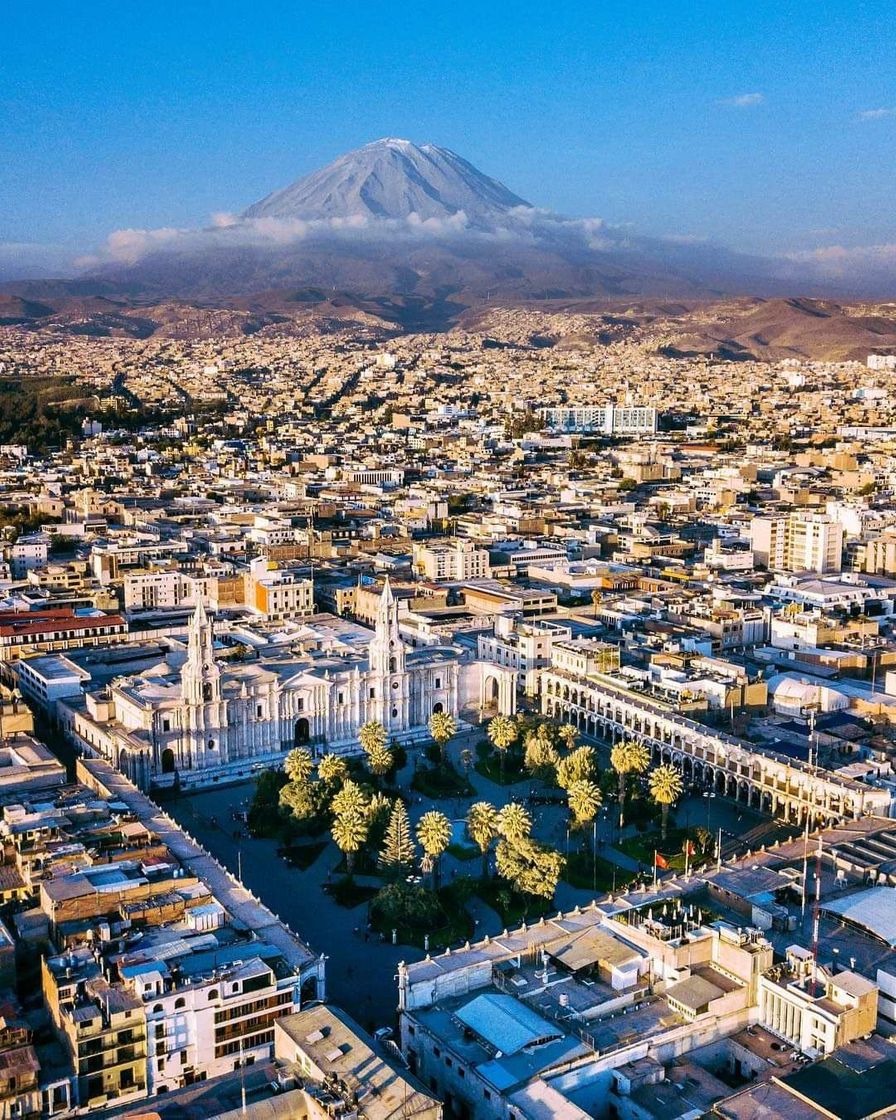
391 178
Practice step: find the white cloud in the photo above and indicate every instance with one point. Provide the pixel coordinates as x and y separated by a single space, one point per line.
876 114
743 100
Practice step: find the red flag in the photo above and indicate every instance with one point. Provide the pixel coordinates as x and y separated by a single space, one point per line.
660 861
690 847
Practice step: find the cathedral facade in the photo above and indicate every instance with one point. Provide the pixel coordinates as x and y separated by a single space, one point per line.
218 720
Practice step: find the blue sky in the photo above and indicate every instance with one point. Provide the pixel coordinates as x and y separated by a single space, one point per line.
767 126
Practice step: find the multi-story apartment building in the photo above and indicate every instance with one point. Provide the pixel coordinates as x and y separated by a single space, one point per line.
278 593
607 418
102 1027
452 560
798 541
24 633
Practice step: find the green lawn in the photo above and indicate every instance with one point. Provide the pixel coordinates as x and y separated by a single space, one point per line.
489 766
642 847
302 856
512 906
462 852
580 872
441 781
452 925
346 892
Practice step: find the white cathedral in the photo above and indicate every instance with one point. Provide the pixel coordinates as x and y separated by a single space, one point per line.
217 720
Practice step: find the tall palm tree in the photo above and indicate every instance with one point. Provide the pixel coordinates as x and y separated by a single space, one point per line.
514 821
666 787
442 726
502 732
628 757
379 761
541 755
579 764
298 765
332 769
482 825
584 801
349 832
434 836
372 735
350 799
568 735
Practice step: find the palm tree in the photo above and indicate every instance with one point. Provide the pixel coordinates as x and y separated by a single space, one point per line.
541 755
298 765
502 732
596 597
666 787
379 761
575 766
372 735
584 801
442 726
514 821
332 769
350 799
568 735
434 836
482 825
349 832
628 757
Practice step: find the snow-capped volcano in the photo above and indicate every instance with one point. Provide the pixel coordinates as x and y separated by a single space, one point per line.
391 179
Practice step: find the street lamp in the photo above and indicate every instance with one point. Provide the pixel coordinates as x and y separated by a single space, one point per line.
709 797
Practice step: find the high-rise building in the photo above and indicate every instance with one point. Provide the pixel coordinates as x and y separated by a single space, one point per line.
798 541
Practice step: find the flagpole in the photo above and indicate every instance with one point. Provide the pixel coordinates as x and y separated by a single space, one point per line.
687 853
654 868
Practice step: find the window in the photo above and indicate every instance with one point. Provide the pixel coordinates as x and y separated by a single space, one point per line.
438 682
213 994
179 1002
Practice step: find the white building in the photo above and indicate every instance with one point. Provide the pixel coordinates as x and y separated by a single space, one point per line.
798 542
212 720
607 418
454 560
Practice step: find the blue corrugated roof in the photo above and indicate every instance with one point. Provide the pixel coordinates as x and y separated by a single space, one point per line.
505 1022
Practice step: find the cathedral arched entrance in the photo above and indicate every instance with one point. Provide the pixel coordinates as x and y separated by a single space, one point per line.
439 707
168 761
301 732
491 694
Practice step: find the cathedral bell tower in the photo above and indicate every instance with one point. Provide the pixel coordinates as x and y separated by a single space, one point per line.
204 712
387 665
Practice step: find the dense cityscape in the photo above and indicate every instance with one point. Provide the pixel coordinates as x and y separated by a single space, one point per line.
491 723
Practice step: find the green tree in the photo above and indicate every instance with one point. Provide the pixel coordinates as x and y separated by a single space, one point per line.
666 787
514 821
298 765
442 727
434 836
502 732
529 867
350 799
379 761
297 800
576 766
567 736
373 736
628 757
482 825
540 756
399 852
584 801
349 832
332 769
